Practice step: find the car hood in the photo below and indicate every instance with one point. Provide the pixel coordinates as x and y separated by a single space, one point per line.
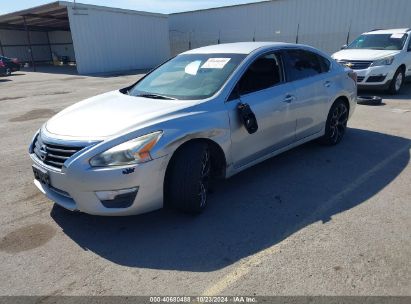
109 114
356 54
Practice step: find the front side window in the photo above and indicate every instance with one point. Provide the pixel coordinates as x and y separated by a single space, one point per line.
302 64
188 76
379 42
263 73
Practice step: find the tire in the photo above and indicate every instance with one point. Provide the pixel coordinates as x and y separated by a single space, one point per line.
8 72
187 178
397 82
336 124
369 100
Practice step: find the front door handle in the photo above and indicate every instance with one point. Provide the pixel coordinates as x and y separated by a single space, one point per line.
289 98
327 84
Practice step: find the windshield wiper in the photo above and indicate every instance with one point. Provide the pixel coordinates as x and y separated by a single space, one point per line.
156 96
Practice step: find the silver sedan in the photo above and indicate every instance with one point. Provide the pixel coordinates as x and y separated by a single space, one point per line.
207 113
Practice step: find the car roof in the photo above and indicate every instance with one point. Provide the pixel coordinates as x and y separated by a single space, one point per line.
237 47
390 31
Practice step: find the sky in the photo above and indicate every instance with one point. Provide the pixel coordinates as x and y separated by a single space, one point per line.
158 6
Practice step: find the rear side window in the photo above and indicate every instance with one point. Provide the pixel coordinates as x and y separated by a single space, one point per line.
301 64
263 73
325 63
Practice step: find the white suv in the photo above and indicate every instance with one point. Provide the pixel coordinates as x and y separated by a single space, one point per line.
381 59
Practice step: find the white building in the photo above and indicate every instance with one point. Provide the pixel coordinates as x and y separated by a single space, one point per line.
324 24
99 39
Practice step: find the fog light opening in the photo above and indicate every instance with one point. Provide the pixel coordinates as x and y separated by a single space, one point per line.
122 198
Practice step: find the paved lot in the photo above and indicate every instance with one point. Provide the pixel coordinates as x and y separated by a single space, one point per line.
312 221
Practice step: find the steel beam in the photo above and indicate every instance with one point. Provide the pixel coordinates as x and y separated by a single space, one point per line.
48 41
1 48
29 41
45 16
33 28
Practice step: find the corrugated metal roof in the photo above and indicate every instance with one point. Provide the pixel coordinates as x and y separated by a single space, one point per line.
37 9
220 7
54 15
111 9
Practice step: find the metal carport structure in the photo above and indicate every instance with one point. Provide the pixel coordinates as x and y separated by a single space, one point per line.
98 39
28 33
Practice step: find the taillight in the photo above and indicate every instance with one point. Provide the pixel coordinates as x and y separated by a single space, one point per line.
353 76
2 64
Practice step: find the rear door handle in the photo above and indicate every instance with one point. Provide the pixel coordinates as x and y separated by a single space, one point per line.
327 83
289 98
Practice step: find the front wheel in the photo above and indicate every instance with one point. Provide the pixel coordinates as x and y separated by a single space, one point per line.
187 178
336 124
397 82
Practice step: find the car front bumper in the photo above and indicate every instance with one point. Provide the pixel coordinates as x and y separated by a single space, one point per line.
378 77
77 189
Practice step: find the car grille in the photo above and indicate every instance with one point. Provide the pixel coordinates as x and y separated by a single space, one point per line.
360 78
53 155
356 64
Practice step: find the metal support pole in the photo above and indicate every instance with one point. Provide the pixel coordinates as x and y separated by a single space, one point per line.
48 41
29 41
1 48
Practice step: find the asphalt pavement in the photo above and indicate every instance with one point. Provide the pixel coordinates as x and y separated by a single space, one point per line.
312 221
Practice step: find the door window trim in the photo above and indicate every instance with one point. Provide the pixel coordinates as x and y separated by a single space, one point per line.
309 51
278 52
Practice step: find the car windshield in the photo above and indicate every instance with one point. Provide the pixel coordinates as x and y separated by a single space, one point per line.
188 76
379 42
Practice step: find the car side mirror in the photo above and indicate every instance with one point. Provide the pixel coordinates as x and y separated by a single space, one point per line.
344 47
247 117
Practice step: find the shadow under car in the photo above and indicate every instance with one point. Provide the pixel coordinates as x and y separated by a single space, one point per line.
251 211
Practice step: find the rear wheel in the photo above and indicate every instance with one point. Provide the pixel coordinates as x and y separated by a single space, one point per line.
8 72
187 178
336 124
397 82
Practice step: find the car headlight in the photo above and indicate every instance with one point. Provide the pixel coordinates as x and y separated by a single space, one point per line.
384 61
131 152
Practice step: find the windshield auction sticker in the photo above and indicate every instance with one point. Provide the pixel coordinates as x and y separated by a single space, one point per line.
215 63
397 36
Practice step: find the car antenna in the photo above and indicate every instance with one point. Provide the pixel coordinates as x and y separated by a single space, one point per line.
349 32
